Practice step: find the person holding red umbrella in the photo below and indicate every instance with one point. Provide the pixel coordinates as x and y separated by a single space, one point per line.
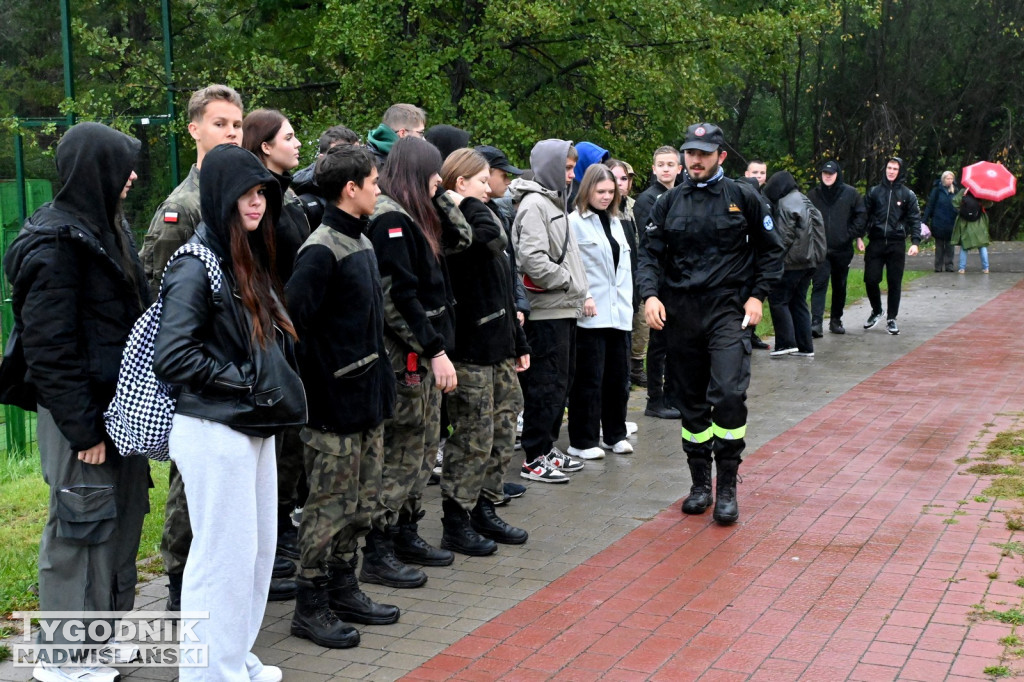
984 183
970 230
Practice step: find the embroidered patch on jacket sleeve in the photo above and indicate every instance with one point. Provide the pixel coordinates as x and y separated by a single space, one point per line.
394 233
170 216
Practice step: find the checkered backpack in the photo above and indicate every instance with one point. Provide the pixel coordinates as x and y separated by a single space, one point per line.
139 417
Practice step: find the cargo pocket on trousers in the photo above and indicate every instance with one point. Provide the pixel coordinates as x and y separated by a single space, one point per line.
86 514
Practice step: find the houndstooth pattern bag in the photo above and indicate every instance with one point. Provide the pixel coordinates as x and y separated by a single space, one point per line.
139 417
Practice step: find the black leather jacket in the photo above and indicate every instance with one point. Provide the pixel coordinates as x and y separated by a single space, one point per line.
205 346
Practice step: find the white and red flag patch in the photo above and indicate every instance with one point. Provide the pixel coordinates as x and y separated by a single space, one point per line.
170 216
394 233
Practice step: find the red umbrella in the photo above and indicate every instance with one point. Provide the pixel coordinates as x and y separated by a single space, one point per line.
990 181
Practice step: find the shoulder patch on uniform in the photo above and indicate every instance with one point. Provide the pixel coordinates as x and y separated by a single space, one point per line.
733 208
394 233
768 223
170 216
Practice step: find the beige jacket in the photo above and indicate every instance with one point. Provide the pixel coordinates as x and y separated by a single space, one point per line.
541 233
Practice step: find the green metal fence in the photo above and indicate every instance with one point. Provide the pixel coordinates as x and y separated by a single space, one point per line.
18 426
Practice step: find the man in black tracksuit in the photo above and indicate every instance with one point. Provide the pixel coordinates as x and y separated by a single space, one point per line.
893 215
710 257
842 208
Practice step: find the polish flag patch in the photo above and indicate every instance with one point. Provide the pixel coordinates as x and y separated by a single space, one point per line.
170 216
395 233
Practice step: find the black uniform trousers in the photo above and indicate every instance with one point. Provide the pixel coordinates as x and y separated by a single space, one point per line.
709 370
891 255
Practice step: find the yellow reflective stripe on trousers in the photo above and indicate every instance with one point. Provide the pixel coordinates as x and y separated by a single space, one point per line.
729 434
702 437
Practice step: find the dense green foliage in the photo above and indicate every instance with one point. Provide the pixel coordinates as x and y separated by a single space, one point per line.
792 81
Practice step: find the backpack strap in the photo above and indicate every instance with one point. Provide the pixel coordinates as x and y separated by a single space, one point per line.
209 259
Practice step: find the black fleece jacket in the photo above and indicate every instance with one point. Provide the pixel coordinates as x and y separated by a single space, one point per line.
892 209
337 305
842 209
486 328
78 285
418 301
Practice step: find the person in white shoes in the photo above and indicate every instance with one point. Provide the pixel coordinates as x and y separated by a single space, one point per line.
600 388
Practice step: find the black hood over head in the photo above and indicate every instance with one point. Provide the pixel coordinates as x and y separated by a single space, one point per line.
229 172
447 139
94 163
901 178
754 184
830 194
779 185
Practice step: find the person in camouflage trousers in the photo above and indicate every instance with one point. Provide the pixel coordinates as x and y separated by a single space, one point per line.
490 346
215 117
412 231
337 304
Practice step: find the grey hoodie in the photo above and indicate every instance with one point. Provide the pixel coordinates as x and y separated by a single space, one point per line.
546 250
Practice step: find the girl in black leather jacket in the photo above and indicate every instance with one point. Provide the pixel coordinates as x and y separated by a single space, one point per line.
230 354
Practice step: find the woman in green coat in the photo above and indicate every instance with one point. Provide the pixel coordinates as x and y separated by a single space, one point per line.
971 234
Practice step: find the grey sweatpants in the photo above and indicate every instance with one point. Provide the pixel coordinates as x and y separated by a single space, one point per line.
231 484
91 537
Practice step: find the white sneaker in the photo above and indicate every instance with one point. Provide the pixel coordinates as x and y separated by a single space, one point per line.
259 672
631 428
269 673
621 448
73 673
586 453
123 652
519 424
440 456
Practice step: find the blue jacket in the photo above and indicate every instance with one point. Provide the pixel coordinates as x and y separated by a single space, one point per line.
940 214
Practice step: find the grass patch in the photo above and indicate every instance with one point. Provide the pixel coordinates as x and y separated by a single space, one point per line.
24 498
1010 617
997 671
1010 548
854 292
1010 640
5 653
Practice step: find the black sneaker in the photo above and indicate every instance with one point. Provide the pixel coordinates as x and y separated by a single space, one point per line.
816 331
836 327
876 315
756 342
890 326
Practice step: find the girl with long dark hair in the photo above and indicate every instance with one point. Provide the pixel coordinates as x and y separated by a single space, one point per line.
408 239
269 135
230 354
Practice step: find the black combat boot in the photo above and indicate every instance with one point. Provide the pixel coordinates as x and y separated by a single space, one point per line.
411 548
657 407
283 568
726 509
485 520
282 589
637 374
459 535
699 498
287 533
382 567
314 620
350 603
174 591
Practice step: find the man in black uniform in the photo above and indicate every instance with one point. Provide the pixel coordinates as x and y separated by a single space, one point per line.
709 260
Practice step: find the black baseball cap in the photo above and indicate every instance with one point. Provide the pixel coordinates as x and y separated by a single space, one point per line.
830 167
707 137
497 159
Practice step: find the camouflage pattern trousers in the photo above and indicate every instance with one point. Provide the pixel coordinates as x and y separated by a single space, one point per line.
344 473
177 536
410 448
483 412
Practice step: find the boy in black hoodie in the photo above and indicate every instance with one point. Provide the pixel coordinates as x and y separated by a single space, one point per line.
337 304
893 215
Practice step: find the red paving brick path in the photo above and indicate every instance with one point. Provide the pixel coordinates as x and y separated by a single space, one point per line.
843 566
